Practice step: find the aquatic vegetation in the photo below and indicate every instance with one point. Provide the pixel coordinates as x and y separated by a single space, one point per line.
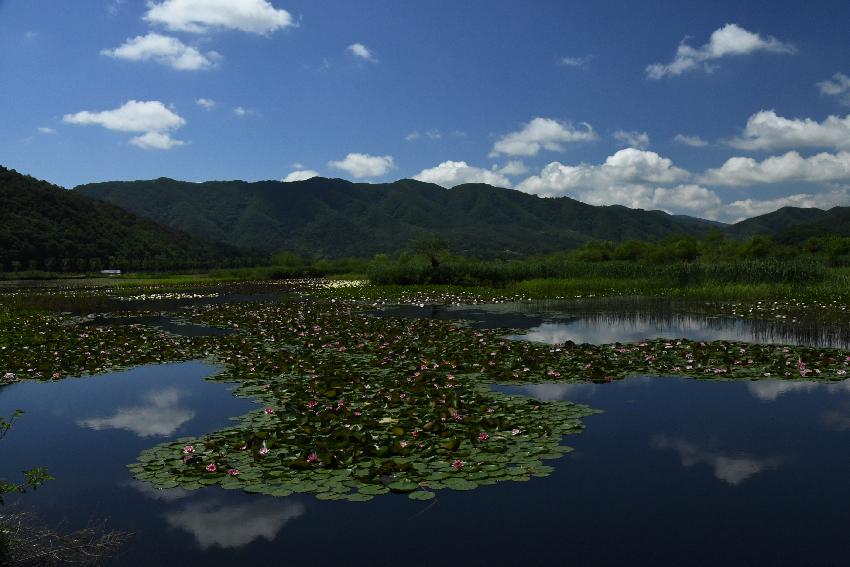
352 406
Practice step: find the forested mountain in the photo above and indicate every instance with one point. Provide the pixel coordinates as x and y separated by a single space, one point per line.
835 221
334 217
775 222
46 227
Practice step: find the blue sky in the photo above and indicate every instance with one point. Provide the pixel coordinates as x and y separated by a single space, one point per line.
722 109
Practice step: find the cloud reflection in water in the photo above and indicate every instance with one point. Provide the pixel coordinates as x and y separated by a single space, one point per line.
160 416
732 469
230 526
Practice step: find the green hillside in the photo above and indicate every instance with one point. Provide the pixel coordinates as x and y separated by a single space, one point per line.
45 227
775 222
334 217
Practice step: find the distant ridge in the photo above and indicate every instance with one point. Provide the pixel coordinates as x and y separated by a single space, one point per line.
335 217
45 227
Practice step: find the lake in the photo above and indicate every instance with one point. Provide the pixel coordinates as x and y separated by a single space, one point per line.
673 471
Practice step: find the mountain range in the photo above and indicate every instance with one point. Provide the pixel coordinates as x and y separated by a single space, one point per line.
334 217
164 223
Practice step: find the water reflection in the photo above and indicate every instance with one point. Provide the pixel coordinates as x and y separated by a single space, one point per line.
730 468
771 390
160 416
837 419
631 320
214 524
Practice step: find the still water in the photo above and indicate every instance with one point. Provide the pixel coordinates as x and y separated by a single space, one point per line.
675 471
631 320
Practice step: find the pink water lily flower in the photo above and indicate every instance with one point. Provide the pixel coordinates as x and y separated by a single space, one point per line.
188 449
483 436
312 458
233 472
268 411
264 451
457 464
211 467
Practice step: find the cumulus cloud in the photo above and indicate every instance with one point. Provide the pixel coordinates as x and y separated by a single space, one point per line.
362 52
838 86
541 133
451 173
512 167
156 141
46 130
732 469
206 103
627 167
576 61
766 130
132 116
789 167
364 165
746 208
165 50
151 118
415 135
729 40
632 139
300 175
693 141
631 177
198 16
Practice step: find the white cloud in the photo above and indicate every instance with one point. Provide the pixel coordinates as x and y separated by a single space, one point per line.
156 141
729 40
160 416
631 177
765 130
432 134
838 86
576 61
746 208
362 52
46 130
300 175
241 111
198 16
151 118
625 168
632 139
732 469
165 50
512 167
364 165
789 167
132 116
233 526
693 141
451 173
541 133
206 103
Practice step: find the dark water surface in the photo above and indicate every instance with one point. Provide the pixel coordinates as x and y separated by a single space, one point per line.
674 472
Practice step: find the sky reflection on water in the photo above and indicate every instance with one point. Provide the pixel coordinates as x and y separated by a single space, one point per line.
670 464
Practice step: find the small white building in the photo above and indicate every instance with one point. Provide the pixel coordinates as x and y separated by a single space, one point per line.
111 272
